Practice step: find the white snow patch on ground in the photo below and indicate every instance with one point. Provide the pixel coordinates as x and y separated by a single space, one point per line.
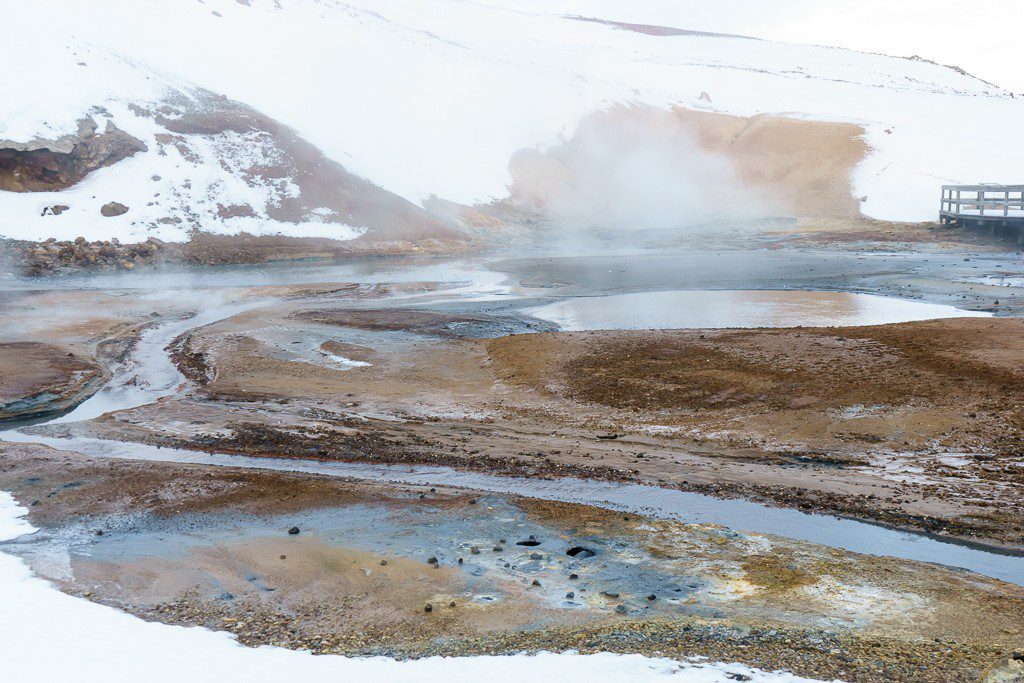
48 635
433 97
346 362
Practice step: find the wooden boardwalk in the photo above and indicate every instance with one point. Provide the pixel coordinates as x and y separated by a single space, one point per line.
1000 208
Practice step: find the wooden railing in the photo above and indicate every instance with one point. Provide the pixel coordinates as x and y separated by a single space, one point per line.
982 202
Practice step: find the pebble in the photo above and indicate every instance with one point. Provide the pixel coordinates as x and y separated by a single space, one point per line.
294 530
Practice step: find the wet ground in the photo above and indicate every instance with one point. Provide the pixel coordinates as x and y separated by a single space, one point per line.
364 369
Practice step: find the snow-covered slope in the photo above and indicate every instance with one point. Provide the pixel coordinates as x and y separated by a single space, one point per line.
434 97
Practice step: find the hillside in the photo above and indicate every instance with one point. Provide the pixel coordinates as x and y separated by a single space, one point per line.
316 118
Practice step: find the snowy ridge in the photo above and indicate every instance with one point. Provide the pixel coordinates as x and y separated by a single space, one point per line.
98 643
433 97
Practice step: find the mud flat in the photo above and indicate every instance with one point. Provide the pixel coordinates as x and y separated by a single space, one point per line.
195 545
351 408
914 425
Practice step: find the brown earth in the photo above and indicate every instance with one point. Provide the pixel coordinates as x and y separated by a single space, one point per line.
954 383
41 379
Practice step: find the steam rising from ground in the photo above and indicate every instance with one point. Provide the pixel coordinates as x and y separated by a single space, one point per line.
633 169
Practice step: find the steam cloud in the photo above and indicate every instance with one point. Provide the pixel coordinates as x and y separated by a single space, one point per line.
632 169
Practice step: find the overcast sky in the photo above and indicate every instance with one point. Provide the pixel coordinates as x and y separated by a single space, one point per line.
985 38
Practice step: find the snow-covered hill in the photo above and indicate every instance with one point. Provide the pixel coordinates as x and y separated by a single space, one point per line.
427 97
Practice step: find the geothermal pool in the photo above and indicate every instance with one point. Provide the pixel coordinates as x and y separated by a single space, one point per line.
692 308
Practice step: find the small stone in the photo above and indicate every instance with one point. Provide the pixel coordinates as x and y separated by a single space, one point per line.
652 597
451 604
570 595
284 557
383 563
460 560
497 548
474 551
536 582
428 608
432 560
536 556
609 594
573 577
621 609
293 531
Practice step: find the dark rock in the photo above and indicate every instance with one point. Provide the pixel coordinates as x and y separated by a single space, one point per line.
535 583
570 595
383 563
113 209
652 597
294 530
428 607
536 556
474 551
432 560
49 165
580 552
573 577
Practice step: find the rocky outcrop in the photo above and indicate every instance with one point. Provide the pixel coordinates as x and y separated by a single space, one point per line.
48 165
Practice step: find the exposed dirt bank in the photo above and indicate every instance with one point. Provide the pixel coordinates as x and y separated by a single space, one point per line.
41 379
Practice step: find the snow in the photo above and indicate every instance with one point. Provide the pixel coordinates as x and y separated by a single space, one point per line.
433 97
48 635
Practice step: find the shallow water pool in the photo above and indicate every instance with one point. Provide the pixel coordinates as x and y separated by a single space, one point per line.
678 309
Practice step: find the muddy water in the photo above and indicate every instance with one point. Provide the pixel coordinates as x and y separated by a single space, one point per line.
646 500
420 532
696 309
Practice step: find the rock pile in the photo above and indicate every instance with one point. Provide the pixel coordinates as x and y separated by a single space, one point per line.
56 256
